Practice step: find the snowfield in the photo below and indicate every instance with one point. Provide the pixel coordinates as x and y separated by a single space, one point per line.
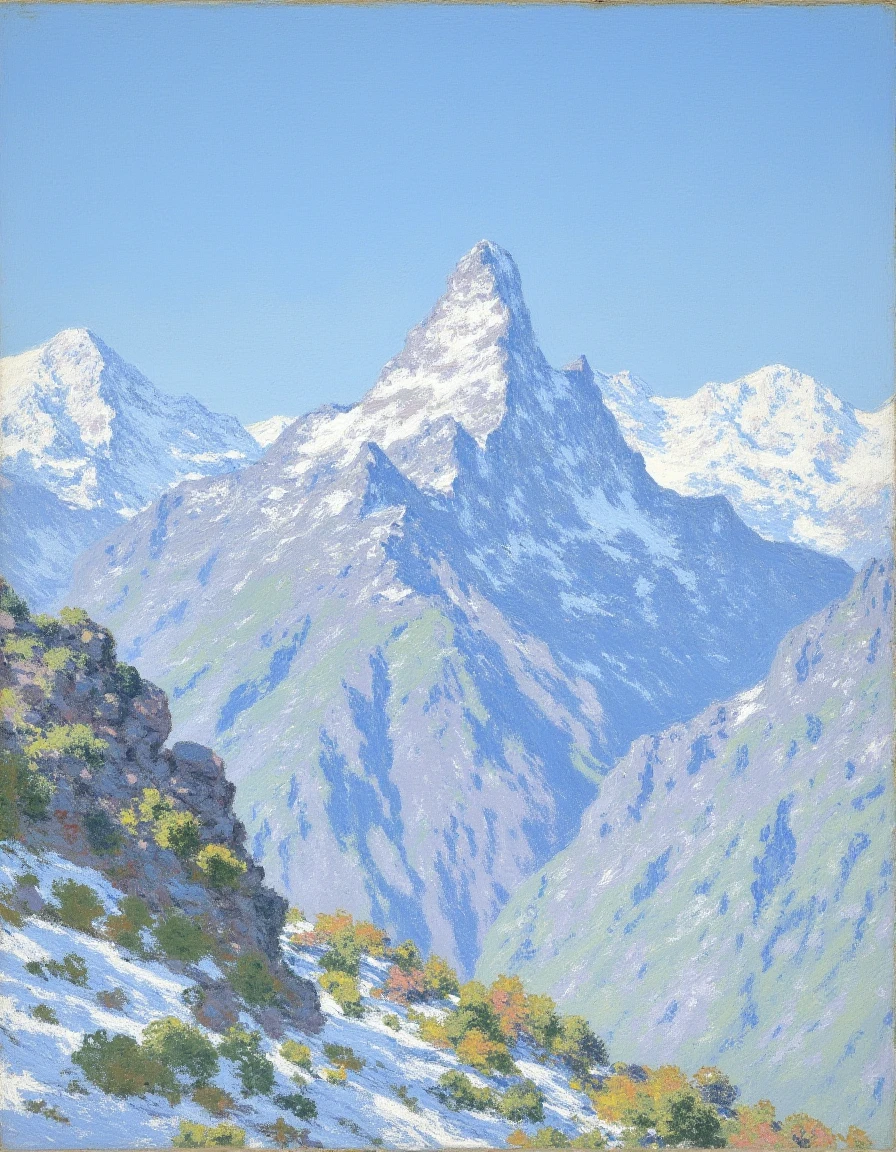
36 1055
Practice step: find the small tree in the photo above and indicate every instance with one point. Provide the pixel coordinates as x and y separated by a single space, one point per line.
251 979
407 956
522 1101
439 978
577 1046
542 1021
178 831
78 905
181 938
121 1067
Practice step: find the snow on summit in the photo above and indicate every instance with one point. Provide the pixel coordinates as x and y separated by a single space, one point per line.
796 461
87 440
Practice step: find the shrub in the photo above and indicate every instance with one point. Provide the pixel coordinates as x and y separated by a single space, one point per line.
343 954
221 867
181 938
178 831
102 834
124 927
439 978
58 659
36 969
344 990
549 1138
10 915
856 1138
458 1092
542 1021
716 1089
12 603
45 1014
508 1000
42 1108
403 1093
75 740
74 617
9 795
182 1048
474 1012
47 625
35 792
255 1071
407 956
295 1053
592 1139
431 1030
190 1135
153 805
803 1131
335 1075
577 1046
298 1103
404 987
71 967
78 905
20 646
522 1101
251 979
213 1099
284 1135
690 1121
477 1050
392 1021
344 1057
121 1067
115 999
128 681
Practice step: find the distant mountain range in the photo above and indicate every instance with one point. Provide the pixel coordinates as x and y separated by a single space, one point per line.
87 442
424 628
729 896
796 461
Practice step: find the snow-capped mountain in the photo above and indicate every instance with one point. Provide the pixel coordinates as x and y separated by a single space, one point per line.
729 895
88 441
425 627
265 432
796 461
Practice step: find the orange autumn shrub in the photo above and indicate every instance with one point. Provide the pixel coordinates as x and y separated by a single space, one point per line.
404 987
508 999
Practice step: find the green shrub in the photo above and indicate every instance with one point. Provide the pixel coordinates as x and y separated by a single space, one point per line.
407 956
182 1048
12 603
45 1014
36 969
255 1071
19 646
42 1108
71 967
35 792
75 740
178 831
10 915
128 681
101 831
225 1135
592 1139
125 926
153 805
9 795
690 1121
403 1093
542 1021
221 867
78 905
252 981
549 1138
212 1098
392 1021
181 938
59 659
439 978
577 1046
458 1092
74 617
298 1103
522 1101
48 626
343 954
344 990
121 1067
295 1053
284 1135
342 1056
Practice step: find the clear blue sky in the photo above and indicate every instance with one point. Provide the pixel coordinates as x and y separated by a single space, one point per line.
255 204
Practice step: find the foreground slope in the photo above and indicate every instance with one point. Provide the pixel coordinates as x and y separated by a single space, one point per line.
88 441
796 461
729 897
424 626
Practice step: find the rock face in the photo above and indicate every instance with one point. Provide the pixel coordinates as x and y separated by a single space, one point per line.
422 628
96 732
796 461
87 442
729 897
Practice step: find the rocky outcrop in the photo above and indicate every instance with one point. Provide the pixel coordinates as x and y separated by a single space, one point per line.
82 740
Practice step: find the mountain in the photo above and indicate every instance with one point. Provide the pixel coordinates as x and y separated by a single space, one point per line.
423 628
265 432
150 996
729 896
796 461
87 442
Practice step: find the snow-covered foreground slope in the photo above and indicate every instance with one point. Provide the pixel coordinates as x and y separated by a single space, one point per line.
729 897
796 461
389 1100
422 628
87 441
